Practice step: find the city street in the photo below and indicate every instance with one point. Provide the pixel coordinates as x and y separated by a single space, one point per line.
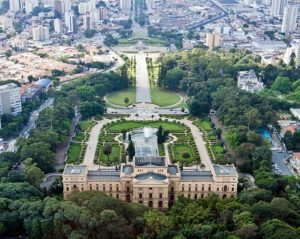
278 159
30 125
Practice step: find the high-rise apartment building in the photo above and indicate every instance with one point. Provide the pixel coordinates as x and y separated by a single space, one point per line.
82 8
86 22
293 52
59 6
212 40
40 33
125 5
30 5
70 21
15 5
10 99
289 22
58 25
277 7
103 13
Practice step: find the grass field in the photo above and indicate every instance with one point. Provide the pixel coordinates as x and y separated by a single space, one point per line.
85 124
74 153
117 98
205 125
178 151
118 127
163 98
113 158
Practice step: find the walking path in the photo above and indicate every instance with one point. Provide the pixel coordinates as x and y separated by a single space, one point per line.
200 143
94 134
92 145
143 93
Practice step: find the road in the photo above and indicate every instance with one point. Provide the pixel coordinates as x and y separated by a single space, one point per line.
143 94
30 125
278 158
146 110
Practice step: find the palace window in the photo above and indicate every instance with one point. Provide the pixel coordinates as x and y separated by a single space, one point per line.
150 195
160 195
195 197
140 195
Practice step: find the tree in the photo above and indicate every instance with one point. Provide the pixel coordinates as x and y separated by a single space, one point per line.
126 100
173 78
274 228
282 84
131 150
107 150
33 173
194 107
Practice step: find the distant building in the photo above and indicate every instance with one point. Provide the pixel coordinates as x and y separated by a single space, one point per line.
15 5
289 22
125 5
59 6
30 5
248 81
70 21
150 179
103 13
40 33
212 40
35 89
295 112
277 7
293 51
10 99
58 25
82 8
86 22
294 163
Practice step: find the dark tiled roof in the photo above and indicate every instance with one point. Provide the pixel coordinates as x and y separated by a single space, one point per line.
196 175
144 161
145 176
104 175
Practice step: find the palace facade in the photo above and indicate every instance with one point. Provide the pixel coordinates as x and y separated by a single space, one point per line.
152 182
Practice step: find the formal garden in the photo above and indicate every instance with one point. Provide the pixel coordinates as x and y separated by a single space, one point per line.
214 145
111 149
77 149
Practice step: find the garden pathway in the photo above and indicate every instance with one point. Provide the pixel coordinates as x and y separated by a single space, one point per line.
92 145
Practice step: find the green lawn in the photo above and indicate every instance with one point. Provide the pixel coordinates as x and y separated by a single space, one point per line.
163 98
117 98
79 136
85 124
218 151
74 153
204 124
178 150
129 125
113 158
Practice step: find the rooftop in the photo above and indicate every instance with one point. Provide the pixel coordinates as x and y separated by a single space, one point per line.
147 161
191 175
225 170
104 175
71 169
145 176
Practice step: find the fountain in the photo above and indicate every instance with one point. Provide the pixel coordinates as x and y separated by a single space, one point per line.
147 132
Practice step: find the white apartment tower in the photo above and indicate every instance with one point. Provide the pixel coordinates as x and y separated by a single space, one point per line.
58 26
125 5
277 7
15 5
10 99
70 21
289 22
40 33
30 5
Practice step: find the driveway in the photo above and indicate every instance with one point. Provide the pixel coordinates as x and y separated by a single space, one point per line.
278 159
143 93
